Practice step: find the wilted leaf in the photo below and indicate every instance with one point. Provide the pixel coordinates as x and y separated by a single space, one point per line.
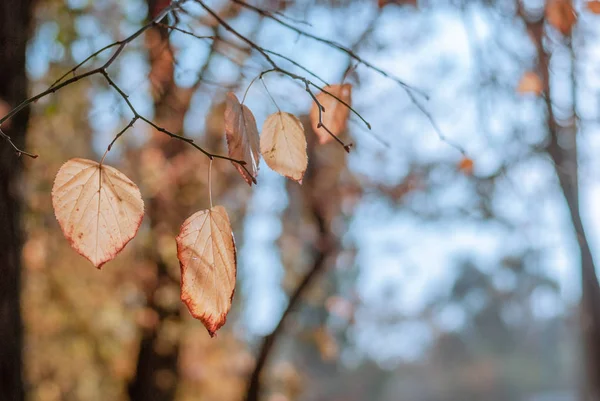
530 83
206 253
335 116
98 208
466 165
561 15
242 137
283 145
593 6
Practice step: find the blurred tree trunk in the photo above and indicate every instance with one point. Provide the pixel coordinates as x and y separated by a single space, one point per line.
156 371
307 200
14 33
562 148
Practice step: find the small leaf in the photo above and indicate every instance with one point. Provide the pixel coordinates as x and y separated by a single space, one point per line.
466 165
561 15
530 83
283 145
593 6
206 253
242 137
336 114
98 208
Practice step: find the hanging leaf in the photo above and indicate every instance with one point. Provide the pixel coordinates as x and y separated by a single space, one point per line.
593 6
283 145
206 253
530 83
242 137
336 114
98 208
561 15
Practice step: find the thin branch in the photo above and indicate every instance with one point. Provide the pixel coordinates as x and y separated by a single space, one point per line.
19 151
102 70
91 56
57 86
326 246
333 44
321 109
180 30
110 145
307 83
411 91
435 126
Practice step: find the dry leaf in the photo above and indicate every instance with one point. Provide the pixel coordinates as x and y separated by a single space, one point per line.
466 165
336 114
98 208
593 6
283 145
561 15
206 253
242 137
530 83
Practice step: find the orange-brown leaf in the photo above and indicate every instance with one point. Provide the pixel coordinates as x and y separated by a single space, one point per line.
207 257
561 15
242 137
98 208
593 6
336 114
466 165
530 83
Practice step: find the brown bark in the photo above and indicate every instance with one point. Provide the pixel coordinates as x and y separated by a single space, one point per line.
562 149
157 372
14 32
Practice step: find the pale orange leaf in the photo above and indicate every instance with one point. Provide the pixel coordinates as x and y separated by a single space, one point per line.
530 83
593 6
207 257
336 114
466 165
283 145
98 208
242 137
561 15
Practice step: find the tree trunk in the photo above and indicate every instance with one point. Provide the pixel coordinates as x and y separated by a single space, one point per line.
157 373
562 149
14 32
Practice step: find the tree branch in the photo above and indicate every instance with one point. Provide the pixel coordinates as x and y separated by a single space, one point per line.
275 67
102 70
324 248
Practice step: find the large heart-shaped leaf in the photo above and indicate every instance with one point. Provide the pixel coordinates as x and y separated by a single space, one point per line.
283 145
206 253
242 137
98 208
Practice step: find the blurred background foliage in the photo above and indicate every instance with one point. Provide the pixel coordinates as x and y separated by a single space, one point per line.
435 277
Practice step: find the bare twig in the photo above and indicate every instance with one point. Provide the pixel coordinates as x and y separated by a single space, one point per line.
325 248
307 83
59 84
19 151
332 44
410 90
102 70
